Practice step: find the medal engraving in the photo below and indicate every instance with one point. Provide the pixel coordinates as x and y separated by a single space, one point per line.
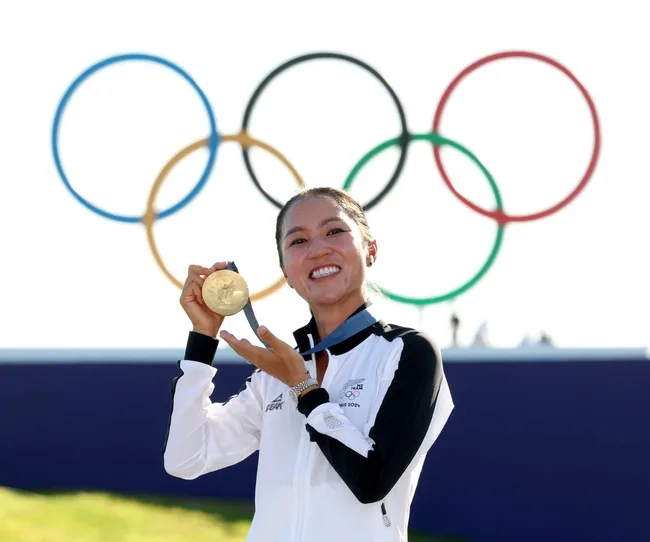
225 292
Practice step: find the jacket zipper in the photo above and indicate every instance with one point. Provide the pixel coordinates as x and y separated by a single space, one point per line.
384 515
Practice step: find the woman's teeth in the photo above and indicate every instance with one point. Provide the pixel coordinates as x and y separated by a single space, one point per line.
325 272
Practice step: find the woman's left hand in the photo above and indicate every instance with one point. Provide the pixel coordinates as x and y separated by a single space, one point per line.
279 360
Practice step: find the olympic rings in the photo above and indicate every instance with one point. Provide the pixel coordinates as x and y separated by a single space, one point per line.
350 395
437 141
403 141
212 146
499 215
149 217
212 142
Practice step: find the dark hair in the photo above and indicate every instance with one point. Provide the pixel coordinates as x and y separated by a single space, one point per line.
346 202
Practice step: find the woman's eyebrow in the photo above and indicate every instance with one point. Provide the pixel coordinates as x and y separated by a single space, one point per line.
300 228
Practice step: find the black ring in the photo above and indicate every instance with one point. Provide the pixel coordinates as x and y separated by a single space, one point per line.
303 58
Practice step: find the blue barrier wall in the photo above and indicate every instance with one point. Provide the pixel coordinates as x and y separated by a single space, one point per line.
533 451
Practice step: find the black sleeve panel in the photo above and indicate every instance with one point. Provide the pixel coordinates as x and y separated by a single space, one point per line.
311 400
200 348
400 426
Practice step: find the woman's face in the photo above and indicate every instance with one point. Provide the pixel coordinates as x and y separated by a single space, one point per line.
323 251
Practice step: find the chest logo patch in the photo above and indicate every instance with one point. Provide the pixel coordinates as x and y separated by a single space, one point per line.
276 404
351 392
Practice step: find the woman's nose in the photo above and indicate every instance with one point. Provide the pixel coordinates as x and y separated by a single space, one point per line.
319 248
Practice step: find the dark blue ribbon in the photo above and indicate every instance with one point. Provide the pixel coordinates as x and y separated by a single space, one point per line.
347 329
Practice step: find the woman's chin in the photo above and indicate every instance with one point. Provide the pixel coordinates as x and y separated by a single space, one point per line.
330 296
326 298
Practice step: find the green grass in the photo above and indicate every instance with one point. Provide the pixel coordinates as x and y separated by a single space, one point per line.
101 517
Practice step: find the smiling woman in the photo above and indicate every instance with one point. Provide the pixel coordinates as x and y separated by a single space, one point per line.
342 432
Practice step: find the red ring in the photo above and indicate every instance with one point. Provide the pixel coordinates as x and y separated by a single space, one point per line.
500 216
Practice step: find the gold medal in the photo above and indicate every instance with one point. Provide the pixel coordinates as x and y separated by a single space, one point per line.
225 292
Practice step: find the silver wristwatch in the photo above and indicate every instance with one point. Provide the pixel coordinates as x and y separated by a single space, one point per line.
296 390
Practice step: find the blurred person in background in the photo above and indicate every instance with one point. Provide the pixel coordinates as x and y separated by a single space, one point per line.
343 433
545 339
455 324
481 338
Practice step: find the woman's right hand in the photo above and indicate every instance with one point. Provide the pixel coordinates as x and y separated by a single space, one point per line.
203 319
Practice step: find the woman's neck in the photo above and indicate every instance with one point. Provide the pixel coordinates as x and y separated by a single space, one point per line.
329 317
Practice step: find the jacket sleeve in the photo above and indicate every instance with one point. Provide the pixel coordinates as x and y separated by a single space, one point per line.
411 397
203 436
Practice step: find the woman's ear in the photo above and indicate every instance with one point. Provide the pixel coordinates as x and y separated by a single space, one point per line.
285 277
372 253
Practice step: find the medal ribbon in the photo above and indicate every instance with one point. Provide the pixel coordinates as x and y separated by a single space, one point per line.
347 329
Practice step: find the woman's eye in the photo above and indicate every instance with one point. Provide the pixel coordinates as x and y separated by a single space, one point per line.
335 230
300 240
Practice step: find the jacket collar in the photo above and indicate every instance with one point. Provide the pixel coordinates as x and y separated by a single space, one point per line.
302 334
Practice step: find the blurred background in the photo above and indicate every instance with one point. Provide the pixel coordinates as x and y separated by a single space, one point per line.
545 348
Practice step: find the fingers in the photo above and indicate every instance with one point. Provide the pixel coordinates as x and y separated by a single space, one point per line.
271 339
236 344
218 266
194 277
197 269
191 292
192 289
195 289
215 267
196 273
244 348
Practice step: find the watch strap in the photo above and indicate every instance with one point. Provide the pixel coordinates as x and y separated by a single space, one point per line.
302 386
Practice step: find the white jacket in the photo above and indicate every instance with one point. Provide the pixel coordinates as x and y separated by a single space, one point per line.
344 461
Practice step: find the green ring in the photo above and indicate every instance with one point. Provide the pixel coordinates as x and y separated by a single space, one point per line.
436 139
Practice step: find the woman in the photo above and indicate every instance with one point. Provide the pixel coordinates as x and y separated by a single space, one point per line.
342 434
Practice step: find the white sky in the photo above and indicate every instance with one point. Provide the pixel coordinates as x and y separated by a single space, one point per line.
71 278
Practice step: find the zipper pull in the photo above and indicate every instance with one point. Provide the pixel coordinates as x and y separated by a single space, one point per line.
385 515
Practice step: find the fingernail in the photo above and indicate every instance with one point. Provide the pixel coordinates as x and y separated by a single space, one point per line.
263 330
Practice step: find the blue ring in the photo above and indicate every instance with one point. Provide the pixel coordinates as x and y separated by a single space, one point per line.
214 136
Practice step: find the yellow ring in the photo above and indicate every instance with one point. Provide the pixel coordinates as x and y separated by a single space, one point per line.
149 217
